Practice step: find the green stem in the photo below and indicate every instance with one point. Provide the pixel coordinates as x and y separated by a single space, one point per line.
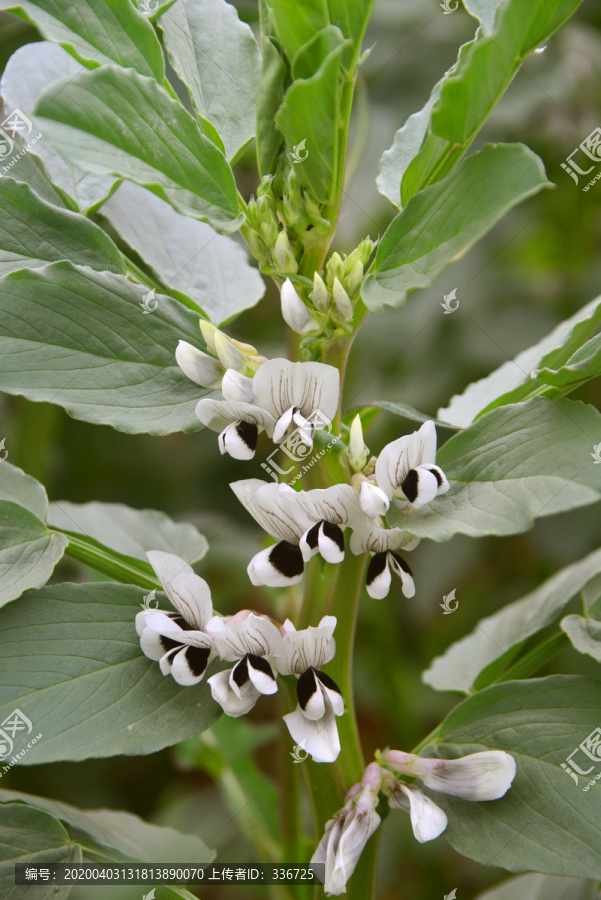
124 569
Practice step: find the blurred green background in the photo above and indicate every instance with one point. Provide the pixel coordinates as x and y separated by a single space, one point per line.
537 267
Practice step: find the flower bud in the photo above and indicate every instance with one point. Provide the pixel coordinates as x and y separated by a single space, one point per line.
229 355
357 452
320 295
257 247
361 253
295 313
208 332
334 268
199 367
354 279
342 302
282 255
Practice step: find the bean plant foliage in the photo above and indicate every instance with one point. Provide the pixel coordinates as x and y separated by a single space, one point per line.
126 251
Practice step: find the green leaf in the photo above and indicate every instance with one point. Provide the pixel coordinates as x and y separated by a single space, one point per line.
445 220
210 270
75 667
15 485
543 822
31 69
431 143
272 87
311 112
28 551
351 18
512 381
511 466
97 33
122 832
29 835
297 23
217 58
34 232
583 365
404 411
541 887
129 531
148 138
584 634
80 338
494 636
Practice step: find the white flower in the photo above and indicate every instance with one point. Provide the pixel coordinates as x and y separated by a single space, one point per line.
294 312
406 468
303 523
199 367
478 776
342 301
253 642
236 387
313 723
373 500
347 834
237 422
303 393
178 640
384 544
357 451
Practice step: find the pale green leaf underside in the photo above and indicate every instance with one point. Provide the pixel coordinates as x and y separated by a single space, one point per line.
33 232
584 634
75 666
123 832
545 822
511 466
541 887
459 666
147 137
129 531
15 485
80 338
187 256
443 221
28 551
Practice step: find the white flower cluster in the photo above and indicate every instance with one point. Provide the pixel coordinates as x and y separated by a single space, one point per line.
185 640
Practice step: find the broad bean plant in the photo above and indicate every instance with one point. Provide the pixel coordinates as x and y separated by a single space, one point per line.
127 251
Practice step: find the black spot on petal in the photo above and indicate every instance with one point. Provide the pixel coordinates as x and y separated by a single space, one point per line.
327 681
179 620
249 433
240 672
312 536
198 658
410 484
287 559
334 533
436 472
376 567
168 644
404 566
260 664
306 687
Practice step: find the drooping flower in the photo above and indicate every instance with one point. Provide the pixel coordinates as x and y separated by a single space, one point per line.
348 832
238 423
313 723
178 640
294 312
253 642
304 394
479 776
406 468
384 544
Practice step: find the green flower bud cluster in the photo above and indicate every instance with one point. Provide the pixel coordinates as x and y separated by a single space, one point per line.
338 292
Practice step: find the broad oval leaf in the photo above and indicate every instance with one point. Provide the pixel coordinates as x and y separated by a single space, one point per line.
28 551
584 634
15 485
447 218
148 138
97 33
75 668
34 232
211 270
494 636
541 887
122 832
86 341
217 58
581 367
29 835
545 821
29 71
513 465
129 531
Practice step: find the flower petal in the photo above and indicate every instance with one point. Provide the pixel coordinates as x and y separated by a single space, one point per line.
331 691
278 566
261 674
400 568
237 388
338 505
320 738
239 440
273 507
331 542
420 486
188 592
480 776
254 634
427 819
218 414
398 457
227 699
280 385
368 537
189 665
199 367
378 577
310 647
311 699
309 542
154 645
373 500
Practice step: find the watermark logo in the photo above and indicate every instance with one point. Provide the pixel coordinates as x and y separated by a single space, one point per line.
297 450
447 8
591 148
452 895
591 750
16 722
17 123
149 895
147 8
149 304
299 152
150 601
4 451
596 453
298 753
447 303
447 601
